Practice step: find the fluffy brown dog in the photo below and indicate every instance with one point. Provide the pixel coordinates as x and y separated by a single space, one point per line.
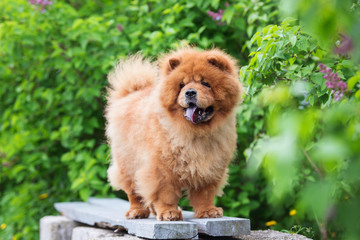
172 132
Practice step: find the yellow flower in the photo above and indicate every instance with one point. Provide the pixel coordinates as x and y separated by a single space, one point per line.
292 212
3 226
270 223
43 196
14 238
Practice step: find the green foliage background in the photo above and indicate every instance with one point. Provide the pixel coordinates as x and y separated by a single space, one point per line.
297 147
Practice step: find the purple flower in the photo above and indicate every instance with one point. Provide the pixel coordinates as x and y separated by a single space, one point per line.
333 81
338 95
322 67
346 45
217 16
120 27
5 164
40 4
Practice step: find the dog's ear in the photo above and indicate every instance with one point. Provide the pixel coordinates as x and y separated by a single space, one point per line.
169 64
173 63
220 62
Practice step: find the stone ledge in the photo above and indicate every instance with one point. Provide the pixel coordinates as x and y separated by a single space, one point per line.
111 212
56 228
86 233
62 228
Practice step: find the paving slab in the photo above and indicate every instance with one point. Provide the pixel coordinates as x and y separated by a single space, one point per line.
56 228
86 233
63 228
225 226
92 214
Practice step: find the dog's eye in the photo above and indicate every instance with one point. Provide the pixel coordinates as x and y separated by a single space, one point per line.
205 84
182 85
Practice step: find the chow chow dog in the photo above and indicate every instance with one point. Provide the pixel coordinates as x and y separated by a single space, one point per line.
171 127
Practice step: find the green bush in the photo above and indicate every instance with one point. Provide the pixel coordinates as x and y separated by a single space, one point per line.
298 155
306 142
54 61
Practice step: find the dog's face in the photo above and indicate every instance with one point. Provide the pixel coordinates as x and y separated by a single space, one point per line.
197 99
199 87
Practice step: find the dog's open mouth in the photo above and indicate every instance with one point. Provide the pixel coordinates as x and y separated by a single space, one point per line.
196 115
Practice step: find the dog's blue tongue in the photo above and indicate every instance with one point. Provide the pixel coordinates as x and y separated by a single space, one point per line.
190 114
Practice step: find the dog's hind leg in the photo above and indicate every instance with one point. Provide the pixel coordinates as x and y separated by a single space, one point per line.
160 193
120 180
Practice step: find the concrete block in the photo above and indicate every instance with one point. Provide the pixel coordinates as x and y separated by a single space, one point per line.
225 226
148 228
87 233
56 228
222 227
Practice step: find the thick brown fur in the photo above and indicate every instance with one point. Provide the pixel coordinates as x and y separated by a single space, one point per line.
156 152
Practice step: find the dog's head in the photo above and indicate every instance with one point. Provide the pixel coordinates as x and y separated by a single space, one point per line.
200 87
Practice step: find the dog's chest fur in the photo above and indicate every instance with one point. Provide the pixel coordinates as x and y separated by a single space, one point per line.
198 162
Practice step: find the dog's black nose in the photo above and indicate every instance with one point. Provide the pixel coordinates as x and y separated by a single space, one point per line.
190 93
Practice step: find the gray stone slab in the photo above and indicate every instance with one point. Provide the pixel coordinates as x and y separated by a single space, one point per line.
116 203
56 228
63 228
148 228
272 235
86 233
225 226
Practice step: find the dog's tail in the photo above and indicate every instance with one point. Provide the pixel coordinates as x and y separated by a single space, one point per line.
129 75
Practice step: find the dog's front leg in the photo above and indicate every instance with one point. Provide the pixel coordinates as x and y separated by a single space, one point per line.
202 201
166 203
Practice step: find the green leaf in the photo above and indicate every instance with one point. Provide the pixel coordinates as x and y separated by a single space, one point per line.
78 183
266 37
228 14
253 59
253 17
243 71
250 30
215 3
201 29
254 38
166 11
252 53
357 94
287 21
353 80
292 39
85 193
311 100
269 45
292 60
250 77
303 44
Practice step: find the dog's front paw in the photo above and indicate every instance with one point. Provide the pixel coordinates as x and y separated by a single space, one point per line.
136 213
212 212
169 215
